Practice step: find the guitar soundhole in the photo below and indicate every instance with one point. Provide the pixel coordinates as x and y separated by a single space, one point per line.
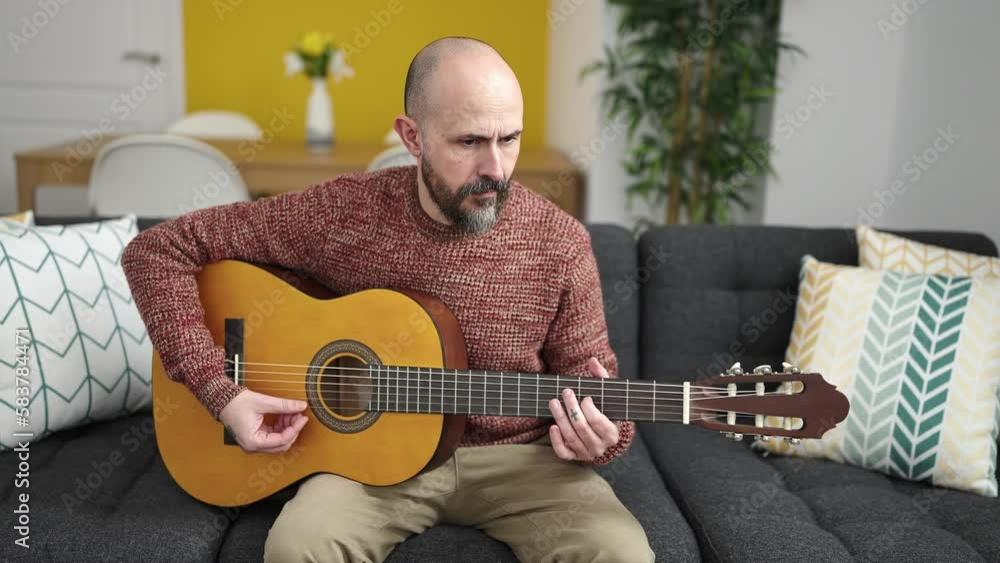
345 387
339 388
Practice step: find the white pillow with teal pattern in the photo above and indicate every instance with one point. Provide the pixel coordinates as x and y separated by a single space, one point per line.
918 356
67 315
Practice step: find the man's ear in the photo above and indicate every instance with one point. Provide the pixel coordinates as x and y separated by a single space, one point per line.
406 128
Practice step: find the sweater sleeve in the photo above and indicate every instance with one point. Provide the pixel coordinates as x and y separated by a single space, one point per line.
580 331
160 264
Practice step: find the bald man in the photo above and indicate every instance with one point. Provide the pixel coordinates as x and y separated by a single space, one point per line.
518 273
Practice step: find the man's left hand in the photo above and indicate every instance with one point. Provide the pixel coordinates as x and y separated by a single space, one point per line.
585 433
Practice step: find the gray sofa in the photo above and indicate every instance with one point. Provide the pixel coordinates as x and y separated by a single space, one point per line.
675 300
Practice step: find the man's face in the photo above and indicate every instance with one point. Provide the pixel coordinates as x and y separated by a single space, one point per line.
470 146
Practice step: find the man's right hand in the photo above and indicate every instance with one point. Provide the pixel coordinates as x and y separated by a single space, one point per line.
244 417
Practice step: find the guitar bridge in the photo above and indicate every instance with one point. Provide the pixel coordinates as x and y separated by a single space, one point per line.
234 354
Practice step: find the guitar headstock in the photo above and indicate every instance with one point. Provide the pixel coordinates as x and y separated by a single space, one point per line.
807 406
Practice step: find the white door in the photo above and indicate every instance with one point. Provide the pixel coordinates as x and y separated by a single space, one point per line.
74 69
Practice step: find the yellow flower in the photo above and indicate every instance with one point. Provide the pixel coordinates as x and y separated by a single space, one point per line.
313 44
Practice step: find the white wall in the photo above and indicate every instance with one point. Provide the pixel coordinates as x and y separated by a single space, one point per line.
893 80
576 123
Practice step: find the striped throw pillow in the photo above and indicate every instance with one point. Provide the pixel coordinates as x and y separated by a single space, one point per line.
918 356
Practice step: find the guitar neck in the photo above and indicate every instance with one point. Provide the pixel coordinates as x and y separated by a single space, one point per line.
500 393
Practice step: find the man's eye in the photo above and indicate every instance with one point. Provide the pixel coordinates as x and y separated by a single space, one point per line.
509 140
469 142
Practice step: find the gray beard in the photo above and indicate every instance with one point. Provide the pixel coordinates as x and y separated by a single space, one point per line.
478 220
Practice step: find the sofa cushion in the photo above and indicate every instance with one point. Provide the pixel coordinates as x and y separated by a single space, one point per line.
748 507
614 250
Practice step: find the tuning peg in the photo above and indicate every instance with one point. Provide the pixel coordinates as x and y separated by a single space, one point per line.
734 436
735 369
763 438
789 368
793 441
762 369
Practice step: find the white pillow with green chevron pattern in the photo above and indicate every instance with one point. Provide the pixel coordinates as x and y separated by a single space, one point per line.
918 356
885 251
75 349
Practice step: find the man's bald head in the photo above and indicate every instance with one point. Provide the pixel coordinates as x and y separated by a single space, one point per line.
417 93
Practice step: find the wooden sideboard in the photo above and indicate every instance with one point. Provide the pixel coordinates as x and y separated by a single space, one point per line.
279 166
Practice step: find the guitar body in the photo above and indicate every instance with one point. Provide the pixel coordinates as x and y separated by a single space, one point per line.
295 322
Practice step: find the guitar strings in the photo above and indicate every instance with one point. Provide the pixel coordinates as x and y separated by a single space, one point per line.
390 370
591 390
640 410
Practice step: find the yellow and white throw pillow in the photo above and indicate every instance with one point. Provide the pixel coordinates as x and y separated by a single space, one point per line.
918 356
23 219
884 251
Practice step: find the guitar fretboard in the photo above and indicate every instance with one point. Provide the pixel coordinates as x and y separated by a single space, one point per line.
436 390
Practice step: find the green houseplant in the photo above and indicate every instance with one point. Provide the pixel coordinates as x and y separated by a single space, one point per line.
688 78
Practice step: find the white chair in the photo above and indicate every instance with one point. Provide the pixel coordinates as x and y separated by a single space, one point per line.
217 124
392 156
162 176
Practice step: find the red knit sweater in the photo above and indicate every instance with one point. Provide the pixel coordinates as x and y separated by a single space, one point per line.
526 293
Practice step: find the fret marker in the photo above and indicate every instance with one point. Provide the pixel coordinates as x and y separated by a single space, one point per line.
687 402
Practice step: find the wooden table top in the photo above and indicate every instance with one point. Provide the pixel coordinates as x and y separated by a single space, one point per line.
293 153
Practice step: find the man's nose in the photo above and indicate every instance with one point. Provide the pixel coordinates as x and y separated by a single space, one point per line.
491 163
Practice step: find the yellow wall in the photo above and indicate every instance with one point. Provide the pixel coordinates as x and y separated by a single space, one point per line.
234 54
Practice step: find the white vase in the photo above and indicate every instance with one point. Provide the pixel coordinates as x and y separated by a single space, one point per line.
319 118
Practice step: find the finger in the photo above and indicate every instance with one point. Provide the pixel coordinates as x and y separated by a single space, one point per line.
591 441
559 446
569 436
297 427
287 420
595 368
266 440
606 430
279 405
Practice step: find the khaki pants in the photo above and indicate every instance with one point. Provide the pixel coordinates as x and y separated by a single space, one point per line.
544 508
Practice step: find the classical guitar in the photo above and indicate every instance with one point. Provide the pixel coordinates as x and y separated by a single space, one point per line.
384 374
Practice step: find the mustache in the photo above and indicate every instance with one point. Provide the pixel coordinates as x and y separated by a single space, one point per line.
483 185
